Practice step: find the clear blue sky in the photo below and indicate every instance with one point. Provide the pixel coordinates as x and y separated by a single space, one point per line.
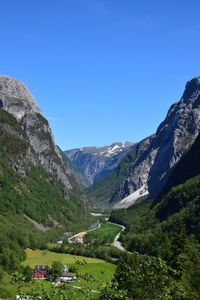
101 70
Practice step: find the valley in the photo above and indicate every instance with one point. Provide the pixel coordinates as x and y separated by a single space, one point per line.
123 218
91 273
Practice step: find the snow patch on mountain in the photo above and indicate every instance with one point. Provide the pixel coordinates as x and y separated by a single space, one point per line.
97 161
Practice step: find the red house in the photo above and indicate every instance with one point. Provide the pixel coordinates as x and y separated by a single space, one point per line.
40 272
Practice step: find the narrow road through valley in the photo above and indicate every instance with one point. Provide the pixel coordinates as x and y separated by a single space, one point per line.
117 243
81 234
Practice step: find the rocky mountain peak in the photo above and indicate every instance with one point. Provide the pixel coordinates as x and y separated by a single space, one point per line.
174 136
192 88
16 99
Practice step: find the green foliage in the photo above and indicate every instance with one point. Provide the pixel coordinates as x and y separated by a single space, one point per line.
56 269
42 293
113 292
95 250
1 273
179 197
144 277
4 293
143 232
28 191
175 257
92 274
27 273
170 230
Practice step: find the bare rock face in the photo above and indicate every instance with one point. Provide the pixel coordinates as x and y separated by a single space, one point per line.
137 176
173 137
18 101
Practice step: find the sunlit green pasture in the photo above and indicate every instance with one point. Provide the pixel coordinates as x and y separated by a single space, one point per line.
92 273
106 232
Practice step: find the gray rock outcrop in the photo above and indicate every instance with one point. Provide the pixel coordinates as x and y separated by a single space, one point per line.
18 101
173 137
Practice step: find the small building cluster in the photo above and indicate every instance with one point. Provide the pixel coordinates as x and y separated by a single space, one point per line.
65 276
78 239
41 272
65 236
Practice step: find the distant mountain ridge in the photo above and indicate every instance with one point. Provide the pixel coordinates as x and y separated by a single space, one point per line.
96 162
149 169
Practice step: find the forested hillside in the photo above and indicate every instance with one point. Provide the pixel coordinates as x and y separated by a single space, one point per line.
29 194
169 230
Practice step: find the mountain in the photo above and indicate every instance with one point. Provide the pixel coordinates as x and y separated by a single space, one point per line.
82 181
36 185
186 168
183 185
96 162
149 170
17 100
167 228
103 189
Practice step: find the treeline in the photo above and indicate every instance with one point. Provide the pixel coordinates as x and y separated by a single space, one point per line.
28 190
166 236
16 234
152 278
108 253
149 228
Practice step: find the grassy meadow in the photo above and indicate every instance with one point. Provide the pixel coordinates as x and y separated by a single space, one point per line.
106 233
92 273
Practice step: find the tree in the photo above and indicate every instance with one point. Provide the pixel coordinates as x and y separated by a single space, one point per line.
144 277
56 269
113 292
175 256
27 272
1 273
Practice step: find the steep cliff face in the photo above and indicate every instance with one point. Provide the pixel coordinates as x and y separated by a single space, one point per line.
173 137
186 168
16 99
35 183
96 162
149 170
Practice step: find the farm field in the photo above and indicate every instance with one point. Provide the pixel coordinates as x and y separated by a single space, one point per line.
106 233
44 257
92 273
